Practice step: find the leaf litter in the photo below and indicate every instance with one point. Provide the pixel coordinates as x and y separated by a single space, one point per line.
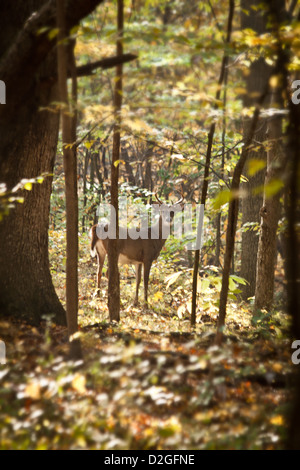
149 382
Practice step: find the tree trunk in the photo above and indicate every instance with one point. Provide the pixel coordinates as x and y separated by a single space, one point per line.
232 224
292 210
270 212
222 78
256 82
267 248
66 59
25 282
293 257
28 149
113 255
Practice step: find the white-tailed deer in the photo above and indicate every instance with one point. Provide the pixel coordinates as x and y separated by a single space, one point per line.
140 251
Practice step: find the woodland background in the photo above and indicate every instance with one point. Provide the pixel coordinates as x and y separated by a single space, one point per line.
206 112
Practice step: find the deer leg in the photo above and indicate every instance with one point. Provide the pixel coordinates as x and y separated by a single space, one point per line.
100 262
138 275
147 267
99 274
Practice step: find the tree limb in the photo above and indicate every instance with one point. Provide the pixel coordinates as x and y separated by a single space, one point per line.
106 63
21 61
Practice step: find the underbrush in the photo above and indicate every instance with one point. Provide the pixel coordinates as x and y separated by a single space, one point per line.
151 381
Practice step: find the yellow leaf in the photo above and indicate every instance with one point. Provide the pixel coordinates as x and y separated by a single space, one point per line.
53 33
81 442
33 390
158 295
78 383
117 162
255 165
28 186
222 198
275 81
273 187
277 420
240 90
277 367
89 144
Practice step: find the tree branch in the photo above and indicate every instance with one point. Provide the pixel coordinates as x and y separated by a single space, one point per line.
33 43
106 63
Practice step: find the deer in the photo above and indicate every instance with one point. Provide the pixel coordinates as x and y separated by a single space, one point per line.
140 252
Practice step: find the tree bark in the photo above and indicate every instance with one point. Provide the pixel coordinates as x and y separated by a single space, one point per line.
113 255
26 287
28 149
232 224
20 65
270 212
293 257
256 82
292 208
65 59
211 133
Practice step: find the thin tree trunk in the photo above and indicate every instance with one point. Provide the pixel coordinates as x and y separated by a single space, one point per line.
86 159
219 218
231 228
114 279
207 161
68 118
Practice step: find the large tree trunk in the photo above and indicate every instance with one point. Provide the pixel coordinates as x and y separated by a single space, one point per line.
28 149
267 248
256 82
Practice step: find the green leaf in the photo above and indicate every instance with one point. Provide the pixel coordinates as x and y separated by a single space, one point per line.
238 279
204 284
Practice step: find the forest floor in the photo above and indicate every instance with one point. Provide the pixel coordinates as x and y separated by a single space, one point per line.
151 381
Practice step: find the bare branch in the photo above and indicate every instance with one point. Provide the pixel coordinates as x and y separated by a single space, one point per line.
32 45
106 63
